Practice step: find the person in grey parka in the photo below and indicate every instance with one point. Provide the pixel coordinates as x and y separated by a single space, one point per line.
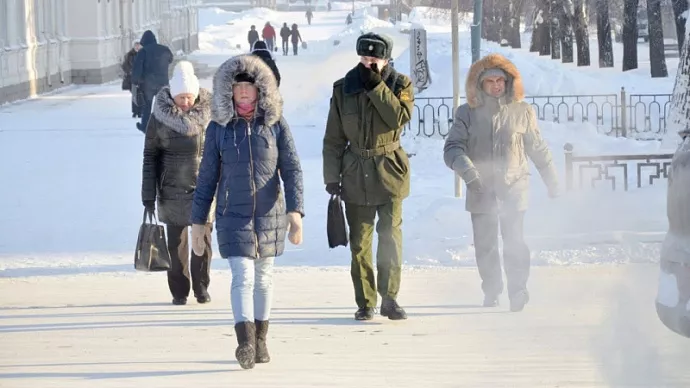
488 145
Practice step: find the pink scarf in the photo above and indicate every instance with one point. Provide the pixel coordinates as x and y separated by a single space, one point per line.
246 110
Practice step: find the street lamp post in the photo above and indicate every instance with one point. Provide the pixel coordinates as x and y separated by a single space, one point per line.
454 9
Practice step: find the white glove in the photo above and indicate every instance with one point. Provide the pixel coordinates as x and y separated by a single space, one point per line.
198 242
295 228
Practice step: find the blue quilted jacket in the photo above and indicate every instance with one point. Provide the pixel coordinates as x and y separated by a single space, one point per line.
244 164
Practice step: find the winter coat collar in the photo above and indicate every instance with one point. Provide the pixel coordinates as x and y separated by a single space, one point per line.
189 123
270 101
514 89
353 83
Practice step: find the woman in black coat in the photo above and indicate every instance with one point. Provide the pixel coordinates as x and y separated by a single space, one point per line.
172 155
261 50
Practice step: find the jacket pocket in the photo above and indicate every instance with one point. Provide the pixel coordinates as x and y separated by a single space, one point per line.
394 170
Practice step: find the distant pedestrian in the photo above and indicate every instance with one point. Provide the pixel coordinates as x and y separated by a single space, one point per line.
150 72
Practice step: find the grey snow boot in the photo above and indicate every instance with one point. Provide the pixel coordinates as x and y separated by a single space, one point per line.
246 341
262 355
518 301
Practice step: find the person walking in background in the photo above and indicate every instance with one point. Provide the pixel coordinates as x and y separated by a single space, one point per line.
261 50
488 145
285 37
269 35
364 162
296 38
252 36
127 67
172 154
309 15
150 72
249 150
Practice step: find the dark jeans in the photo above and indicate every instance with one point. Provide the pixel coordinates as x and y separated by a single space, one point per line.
295 47
179 275
285 47
516 254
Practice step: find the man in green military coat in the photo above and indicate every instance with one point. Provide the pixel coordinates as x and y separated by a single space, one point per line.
365 164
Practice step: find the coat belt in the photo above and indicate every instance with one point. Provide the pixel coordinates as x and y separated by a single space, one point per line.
378 151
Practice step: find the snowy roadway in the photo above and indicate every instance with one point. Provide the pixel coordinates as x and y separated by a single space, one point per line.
588 327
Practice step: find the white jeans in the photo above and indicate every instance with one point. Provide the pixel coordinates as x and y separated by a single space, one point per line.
251 293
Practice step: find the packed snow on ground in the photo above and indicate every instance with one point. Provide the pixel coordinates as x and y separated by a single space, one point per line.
85 165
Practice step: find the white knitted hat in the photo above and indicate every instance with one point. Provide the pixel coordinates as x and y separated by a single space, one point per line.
184 80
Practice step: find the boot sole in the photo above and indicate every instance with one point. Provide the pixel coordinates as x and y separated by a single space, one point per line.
394 318
246 356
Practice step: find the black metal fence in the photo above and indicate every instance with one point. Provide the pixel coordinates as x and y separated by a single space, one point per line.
642 116
613 168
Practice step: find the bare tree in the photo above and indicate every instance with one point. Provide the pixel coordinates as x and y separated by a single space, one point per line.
555 10
630 34
566 24
581 32
545 31
516 7
604 34
537 26
679 111
491 20
679 8
657 57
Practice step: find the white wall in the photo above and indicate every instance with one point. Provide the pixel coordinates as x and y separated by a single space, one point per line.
45 44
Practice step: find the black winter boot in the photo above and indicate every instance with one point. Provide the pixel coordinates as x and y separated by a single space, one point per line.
391 309
246 341
262 356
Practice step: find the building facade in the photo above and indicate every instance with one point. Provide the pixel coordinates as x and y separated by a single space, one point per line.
47 44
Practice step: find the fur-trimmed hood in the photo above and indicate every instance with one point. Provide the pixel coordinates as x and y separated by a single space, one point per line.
189 123
270 104
514 90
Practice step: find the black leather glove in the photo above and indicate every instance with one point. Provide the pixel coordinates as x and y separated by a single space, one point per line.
475 185
333 188
370 77
150 206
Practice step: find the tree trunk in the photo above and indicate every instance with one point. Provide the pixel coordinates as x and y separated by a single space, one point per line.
657 58
679 111
491 21
679 7
604 34
537 25
545 36
630 34
556 9
567 30
487 8
504 26
581 33
515 12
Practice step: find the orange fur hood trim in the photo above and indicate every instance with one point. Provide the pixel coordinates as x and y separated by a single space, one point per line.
514 89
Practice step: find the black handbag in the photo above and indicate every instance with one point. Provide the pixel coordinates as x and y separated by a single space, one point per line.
152 253
335 224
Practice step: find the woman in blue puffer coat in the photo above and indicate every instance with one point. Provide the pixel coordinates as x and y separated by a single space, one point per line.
248 151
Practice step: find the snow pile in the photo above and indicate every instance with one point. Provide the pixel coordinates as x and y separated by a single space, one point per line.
437 19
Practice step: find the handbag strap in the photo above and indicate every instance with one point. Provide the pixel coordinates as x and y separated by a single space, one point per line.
152 217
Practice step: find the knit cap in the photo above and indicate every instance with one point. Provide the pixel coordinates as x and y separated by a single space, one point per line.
183 80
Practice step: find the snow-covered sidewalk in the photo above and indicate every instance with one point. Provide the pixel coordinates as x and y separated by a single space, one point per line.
587 327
